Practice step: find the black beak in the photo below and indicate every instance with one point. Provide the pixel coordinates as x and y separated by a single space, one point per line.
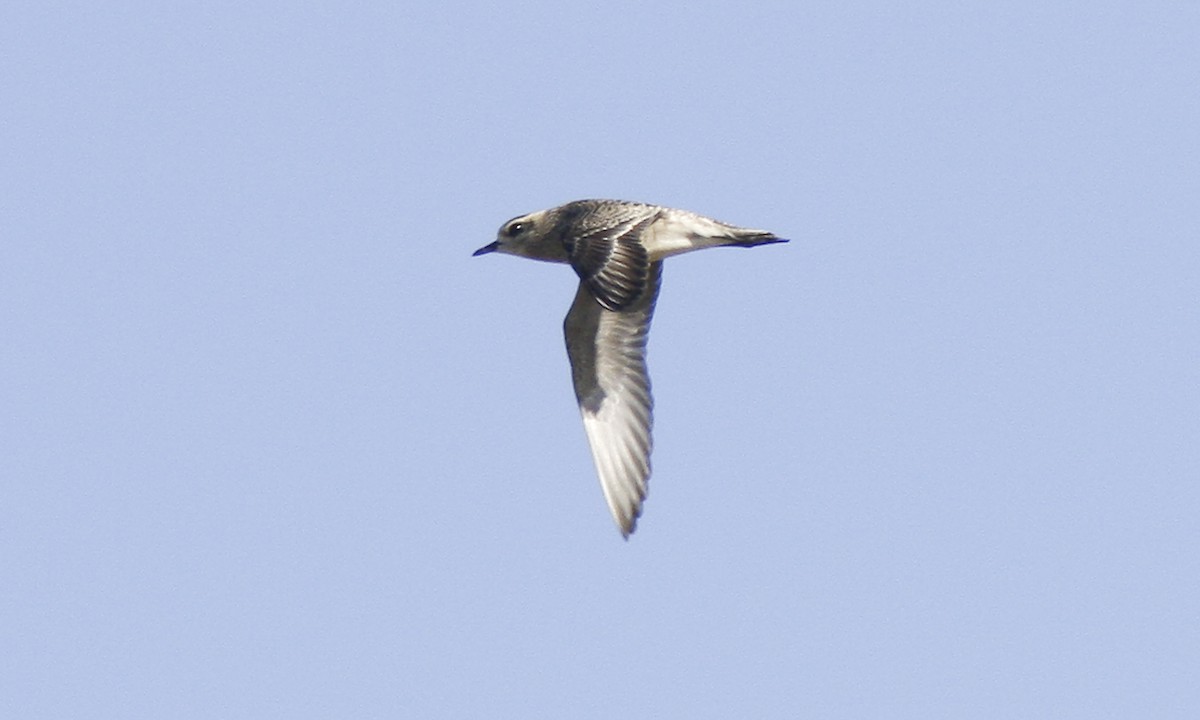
486 249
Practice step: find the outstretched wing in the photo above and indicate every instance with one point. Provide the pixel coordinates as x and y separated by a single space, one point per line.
607 349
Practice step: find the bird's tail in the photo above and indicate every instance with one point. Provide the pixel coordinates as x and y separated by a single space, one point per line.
743 237
707 232
677 231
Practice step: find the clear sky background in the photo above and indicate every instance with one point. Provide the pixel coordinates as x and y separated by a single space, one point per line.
274 445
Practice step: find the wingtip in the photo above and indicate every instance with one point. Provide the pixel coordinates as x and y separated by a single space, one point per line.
628 524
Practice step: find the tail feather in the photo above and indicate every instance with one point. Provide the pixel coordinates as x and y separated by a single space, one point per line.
678 231
751 238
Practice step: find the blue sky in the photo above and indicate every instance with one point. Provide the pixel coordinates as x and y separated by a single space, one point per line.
273 444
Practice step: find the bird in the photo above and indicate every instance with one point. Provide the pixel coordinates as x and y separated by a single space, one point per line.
616 247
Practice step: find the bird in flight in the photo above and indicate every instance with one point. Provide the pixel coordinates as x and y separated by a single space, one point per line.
616 248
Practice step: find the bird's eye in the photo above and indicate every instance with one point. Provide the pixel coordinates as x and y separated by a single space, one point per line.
514 229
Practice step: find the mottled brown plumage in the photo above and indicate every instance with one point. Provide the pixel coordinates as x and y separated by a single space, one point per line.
616 248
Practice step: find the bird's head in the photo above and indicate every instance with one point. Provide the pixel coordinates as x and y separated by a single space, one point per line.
530 236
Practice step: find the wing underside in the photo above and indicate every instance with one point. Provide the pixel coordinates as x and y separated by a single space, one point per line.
607 350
